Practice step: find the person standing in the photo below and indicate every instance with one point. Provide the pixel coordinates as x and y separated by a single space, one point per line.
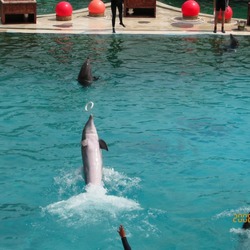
220 5
118 4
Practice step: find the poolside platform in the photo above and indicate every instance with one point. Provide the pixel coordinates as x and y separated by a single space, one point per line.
168 20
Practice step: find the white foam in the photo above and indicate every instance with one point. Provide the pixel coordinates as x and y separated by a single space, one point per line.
232 212
113 181
242 232
95 203
91 206
119 182
68 182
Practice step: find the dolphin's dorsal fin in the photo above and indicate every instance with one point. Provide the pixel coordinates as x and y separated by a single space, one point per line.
84 143
103 144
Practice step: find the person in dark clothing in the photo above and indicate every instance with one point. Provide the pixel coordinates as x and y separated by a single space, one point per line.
118 4
246 225
220 5
122 233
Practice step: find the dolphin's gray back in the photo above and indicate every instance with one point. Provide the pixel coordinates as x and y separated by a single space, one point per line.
85 75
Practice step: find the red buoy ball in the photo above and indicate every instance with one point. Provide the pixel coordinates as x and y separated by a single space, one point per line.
228 15
64 9
190 9
96 8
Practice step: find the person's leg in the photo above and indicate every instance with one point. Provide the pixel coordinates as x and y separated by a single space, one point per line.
223 8
113 10
222 21
120 12
216 20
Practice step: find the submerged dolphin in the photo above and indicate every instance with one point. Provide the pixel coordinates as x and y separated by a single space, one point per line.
85 77
91 147
234 43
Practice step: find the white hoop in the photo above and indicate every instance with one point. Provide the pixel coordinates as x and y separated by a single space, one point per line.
89 106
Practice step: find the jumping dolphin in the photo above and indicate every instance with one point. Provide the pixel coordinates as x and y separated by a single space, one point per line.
91 147
85 77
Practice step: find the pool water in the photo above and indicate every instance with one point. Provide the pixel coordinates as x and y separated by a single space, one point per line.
240 8
175 113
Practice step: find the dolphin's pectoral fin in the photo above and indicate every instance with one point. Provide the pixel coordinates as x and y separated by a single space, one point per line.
84 143
103 144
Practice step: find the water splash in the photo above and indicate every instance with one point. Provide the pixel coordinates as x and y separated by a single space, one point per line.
91 206
118 182
240 231
69 183
94 204
232 212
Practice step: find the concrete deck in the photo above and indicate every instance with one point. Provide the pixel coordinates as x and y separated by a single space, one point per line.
168 21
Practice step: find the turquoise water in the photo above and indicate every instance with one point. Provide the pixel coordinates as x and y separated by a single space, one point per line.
175 113
240 8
